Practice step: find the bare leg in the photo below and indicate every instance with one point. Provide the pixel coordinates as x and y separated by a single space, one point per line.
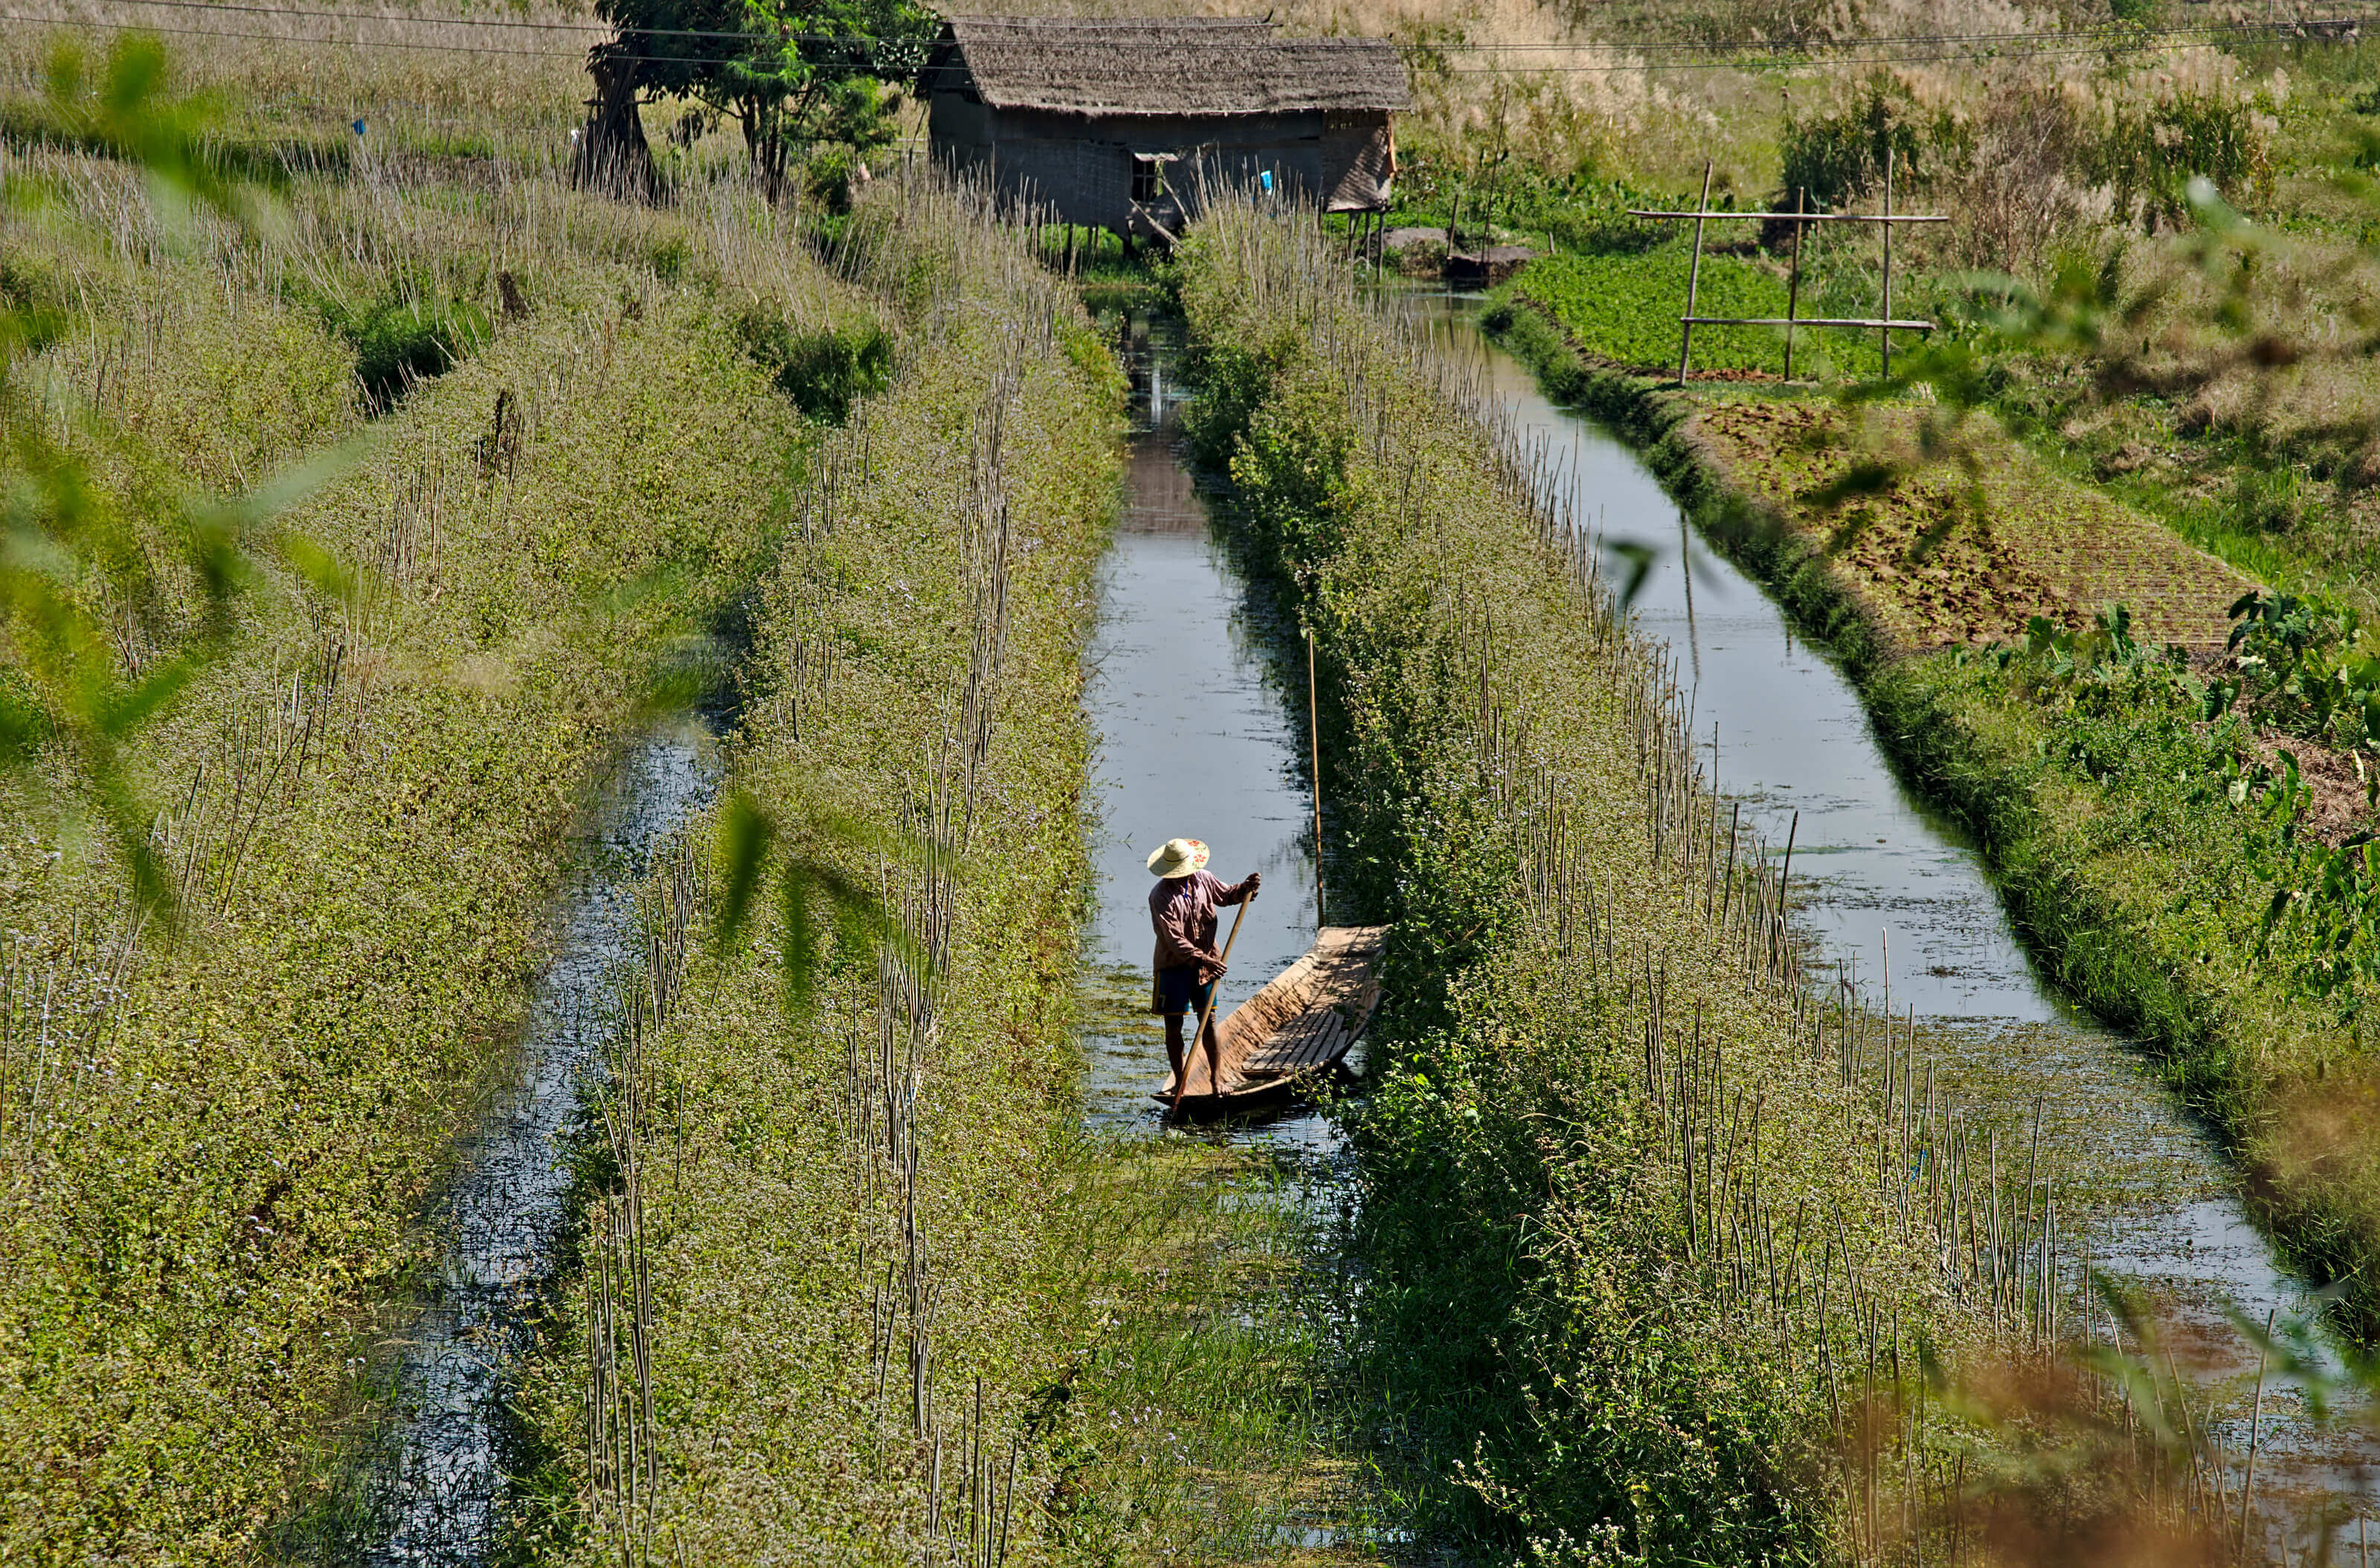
1212 1039
1173 1053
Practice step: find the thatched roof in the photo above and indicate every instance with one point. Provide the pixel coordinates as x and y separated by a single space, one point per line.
1178 65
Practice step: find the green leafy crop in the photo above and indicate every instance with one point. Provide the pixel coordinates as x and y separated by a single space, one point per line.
1625 309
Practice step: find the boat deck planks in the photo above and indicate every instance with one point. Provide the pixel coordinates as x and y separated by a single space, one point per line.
1304 1020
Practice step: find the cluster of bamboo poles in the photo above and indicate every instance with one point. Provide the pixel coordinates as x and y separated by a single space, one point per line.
1994 1243
407 550
1983 1223
57 1005
262 756
966 1476
623 1441
960 1492
971 1503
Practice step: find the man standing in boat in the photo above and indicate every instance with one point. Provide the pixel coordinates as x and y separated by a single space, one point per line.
1181 907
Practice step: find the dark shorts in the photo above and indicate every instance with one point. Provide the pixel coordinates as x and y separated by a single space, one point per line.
1178 990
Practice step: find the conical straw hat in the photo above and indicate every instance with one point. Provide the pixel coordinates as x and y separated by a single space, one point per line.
1179 858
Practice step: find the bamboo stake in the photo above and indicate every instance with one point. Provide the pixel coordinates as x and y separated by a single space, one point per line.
2256 1432
1793 280
1008 1504
1695 276
1314 730
1886 333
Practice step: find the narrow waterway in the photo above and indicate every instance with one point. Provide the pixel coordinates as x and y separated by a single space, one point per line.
440 1493
1195 741
1898 897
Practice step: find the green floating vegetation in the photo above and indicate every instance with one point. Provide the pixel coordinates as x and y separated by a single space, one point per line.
855 1283
837 1220
219 1138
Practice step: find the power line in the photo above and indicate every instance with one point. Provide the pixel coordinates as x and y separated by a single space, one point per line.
284 37
2309 27
516 25
1909 49
374 42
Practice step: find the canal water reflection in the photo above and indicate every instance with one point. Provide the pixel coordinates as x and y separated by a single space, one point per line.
1196 737
1891 891
1195 740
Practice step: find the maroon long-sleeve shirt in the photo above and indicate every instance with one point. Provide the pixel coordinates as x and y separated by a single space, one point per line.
1183 910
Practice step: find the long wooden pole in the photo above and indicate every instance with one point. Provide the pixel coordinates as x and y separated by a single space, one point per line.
1314 729
1887 263
1694 278
1793 281
1190 1055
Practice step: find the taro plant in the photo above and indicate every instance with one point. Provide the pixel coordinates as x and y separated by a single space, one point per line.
2308 667
2338 918
2102 667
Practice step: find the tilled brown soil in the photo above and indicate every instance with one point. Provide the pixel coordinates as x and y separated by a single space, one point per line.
1934 570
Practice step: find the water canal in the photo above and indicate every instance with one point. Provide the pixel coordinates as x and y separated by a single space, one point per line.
439 1492
1896 897
1197 739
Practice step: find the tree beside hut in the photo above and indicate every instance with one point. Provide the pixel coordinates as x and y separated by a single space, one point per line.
793 75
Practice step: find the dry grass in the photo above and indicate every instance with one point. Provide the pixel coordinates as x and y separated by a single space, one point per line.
427 72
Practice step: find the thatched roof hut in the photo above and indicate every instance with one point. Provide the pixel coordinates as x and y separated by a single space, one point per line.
1116 123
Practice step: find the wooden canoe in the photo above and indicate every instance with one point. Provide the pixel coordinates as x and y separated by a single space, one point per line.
1295 1028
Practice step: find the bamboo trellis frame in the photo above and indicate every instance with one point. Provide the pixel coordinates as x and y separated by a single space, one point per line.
1884 324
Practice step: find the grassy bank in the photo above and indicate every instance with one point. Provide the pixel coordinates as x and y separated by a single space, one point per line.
916 672
2163 858
215 1138
1603 1318
856 1284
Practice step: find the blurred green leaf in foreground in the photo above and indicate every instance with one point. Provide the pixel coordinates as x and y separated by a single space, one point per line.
72 564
